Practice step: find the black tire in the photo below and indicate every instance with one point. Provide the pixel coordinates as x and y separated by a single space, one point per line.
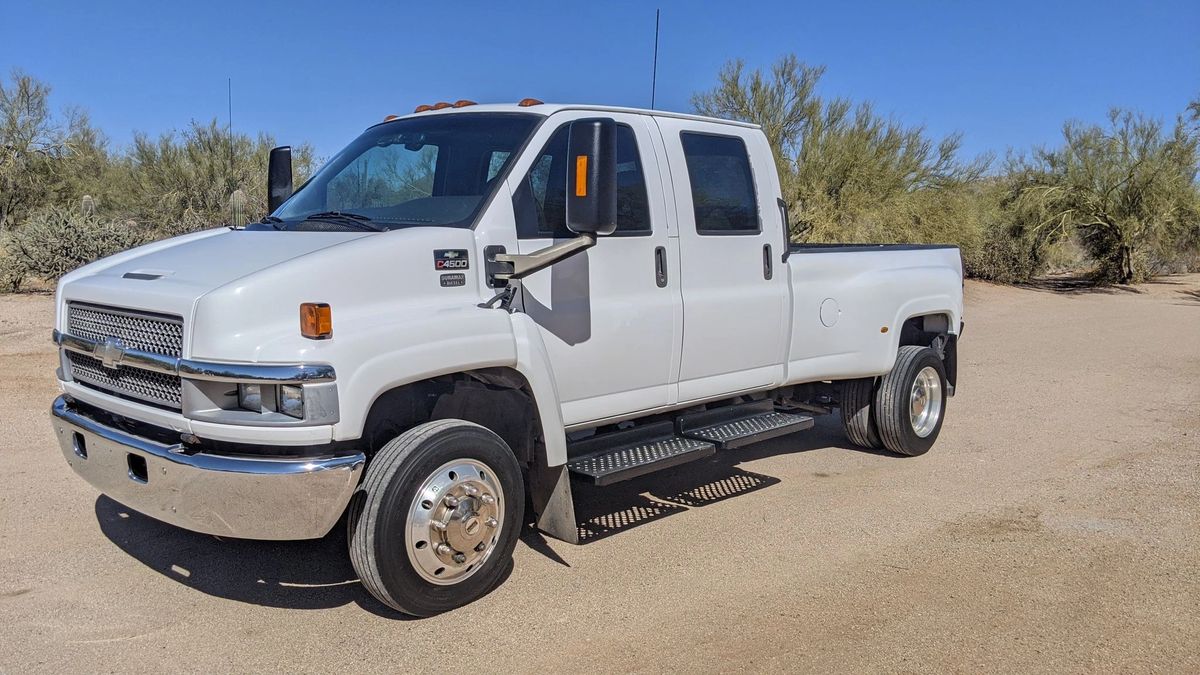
857 420
892 402
378 518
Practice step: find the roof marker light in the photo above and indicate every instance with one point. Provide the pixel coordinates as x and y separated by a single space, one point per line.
389 118
462 103
422 108
526 102
440 105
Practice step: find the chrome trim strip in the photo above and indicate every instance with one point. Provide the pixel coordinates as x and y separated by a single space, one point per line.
202 370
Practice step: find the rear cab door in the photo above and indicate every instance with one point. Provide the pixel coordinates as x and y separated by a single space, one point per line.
736 297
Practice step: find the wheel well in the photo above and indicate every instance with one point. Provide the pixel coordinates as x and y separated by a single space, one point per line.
499 399
933 330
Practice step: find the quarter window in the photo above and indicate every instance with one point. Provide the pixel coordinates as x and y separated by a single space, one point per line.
723 197
541 199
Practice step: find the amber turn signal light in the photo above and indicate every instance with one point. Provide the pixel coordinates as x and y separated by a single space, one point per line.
316 321
581 163
526 102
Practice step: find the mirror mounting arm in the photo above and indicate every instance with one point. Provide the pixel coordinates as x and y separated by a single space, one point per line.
525 264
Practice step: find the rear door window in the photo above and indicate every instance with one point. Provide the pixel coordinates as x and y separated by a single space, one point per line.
723 196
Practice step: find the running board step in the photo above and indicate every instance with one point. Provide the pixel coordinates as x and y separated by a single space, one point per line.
622 455
742 425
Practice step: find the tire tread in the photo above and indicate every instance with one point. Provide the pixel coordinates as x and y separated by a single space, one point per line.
857 415
892 398
382 469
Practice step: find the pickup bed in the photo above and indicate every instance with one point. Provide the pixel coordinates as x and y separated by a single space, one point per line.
469 308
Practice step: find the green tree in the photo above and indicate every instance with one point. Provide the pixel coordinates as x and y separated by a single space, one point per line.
1127 189
30 145
847 173
783 102
183 181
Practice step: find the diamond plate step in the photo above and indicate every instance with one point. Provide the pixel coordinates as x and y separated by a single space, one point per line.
621 456
746 430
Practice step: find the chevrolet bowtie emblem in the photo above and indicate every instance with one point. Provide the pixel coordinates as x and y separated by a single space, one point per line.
110 352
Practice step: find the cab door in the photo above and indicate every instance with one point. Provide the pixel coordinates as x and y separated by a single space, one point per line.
735 288
610 317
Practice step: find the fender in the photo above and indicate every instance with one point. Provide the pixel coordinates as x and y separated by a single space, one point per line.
933 304
437 346
434 345
533 362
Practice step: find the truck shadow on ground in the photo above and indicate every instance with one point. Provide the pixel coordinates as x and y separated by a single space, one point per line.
314 574
602 512
317 574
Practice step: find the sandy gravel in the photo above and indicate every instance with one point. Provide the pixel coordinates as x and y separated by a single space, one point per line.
1054 527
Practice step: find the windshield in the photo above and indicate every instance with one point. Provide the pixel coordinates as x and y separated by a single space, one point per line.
435 170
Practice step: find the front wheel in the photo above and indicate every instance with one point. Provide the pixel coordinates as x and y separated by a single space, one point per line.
436 520
911 402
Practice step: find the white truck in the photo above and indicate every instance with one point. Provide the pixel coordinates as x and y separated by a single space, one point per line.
468 308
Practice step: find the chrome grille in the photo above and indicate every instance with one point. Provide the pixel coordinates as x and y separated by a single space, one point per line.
157 333
143 385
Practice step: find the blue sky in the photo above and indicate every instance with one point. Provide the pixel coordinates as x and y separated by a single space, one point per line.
1006 74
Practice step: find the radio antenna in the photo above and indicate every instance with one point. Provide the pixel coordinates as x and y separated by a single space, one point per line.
229 128
654 70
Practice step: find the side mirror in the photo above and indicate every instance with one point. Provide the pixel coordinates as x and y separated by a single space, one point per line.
592 176
279 177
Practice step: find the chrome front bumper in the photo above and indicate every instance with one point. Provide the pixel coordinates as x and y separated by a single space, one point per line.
249 498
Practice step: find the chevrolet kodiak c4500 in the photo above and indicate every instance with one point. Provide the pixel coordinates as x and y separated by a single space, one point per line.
469 308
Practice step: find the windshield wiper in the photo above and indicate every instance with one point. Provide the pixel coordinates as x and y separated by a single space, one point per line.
353 220
272 221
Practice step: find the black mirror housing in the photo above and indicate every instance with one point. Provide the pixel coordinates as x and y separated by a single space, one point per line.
592 176
279 176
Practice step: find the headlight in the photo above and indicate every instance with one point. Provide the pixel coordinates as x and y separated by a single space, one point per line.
250 397
266 398
291 400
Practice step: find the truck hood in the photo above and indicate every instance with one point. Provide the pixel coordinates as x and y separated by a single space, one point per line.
239 292
170 276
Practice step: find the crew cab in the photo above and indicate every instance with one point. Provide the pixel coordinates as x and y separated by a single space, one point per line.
468 309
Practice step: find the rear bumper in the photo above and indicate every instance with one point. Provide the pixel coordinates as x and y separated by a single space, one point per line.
248 498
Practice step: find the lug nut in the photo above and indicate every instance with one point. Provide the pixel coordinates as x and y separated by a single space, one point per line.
442 549
471 490
451 501
438 525
487 499
459 558
491 522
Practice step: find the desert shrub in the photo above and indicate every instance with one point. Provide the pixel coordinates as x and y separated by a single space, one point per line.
1127 190
847 172
54 241
1003 255
12 274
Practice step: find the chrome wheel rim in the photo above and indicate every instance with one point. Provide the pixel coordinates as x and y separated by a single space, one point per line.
925 401
455 521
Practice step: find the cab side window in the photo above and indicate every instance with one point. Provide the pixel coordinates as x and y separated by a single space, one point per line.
723 196
540 202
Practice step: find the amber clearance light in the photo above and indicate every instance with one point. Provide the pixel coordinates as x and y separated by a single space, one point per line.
316 321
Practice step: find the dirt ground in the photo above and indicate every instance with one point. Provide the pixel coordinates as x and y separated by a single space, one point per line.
1055 526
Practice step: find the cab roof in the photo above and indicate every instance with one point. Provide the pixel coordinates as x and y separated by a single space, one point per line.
547 109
